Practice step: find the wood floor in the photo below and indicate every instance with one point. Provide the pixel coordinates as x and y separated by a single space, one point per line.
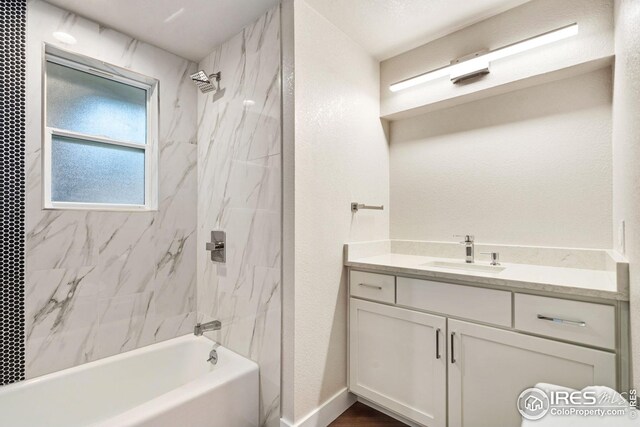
360 415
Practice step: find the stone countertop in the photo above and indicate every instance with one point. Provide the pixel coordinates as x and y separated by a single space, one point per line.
561 280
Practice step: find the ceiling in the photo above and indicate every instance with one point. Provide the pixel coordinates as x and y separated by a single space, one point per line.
189 28
193 28
385 28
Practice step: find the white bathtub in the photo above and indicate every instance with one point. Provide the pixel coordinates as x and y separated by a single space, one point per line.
167 384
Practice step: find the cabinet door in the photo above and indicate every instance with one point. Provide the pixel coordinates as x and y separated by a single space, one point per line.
395 362
490 367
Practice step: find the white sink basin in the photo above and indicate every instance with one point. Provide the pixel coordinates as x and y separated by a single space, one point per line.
464 266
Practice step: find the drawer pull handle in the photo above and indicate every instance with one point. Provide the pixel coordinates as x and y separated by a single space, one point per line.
453 358
438 343
366 285
564 321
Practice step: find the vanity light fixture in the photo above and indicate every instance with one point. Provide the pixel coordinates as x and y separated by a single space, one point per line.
478 63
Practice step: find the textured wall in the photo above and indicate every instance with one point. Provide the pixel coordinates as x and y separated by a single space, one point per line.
341 155
239 188
626 154
288 208
100 283
13 16
531 167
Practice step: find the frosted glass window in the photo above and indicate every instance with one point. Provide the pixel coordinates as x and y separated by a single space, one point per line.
85 103
93 172
100 139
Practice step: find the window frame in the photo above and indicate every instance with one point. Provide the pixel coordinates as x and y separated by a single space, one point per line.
101 69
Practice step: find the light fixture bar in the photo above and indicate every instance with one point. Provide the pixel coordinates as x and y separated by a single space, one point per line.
492 55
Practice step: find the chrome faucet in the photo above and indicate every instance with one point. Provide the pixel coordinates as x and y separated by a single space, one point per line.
469 247
201 328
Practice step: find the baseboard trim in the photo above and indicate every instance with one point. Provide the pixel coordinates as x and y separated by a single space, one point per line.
323 415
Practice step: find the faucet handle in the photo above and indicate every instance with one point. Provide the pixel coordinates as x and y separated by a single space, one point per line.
495 257
468 238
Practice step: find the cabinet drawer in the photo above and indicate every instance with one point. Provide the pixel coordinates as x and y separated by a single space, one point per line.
377 287
578 321
484 305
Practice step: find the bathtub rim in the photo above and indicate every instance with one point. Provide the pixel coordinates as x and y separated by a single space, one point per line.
120 356
185 393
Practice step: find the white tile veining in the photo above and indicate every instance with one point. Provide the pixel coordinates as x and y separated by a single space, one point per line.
99 283
239 192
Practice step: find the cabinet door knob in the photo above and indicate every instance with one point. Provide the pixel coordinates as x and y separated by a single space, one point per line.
453 358
438 343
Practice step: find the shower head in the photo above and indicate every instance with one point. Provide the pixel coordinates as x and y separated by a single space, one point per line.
203 81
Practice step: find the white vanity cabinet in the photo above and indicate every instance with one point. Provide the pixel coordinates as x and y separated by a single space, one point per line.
442 354
398 360
489 367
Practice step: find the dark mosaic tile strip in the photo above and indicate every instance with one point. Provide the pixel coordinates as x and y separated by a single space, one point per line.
13 17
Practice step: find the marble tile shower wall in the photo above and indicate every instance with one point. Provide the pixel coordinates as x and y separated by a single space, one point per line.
239 192
99 283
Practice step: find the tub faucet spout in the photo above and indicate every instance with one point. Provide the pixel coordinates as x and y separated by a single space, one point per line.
201 328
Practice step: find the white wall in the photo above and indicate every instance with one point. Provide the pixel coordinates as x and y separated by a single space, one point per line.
341 155
531 167
626 153
100 283
239 191
287 389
